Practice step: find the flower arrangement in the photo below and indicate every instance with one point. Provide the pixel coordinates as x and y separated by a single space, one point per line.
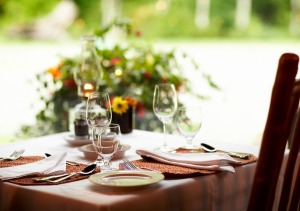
128 70
121 105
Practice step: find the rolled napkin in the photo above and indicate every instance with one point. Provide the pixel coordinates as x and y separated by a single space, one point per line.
50 165
206 161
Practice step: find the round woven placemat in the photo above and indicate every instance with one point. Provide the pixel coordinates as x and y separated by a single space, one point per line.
29 180
172 171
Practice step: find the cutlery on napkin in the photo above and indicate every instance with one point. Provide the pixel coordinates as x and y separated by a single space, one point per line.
50 165
206 161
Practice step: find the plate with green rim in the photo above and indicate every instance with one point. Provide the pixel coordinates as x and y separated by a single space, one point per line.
123 179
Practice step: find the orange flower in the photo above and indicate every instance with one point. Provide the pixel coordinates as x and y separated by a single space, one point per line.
164 79
55 72
131 101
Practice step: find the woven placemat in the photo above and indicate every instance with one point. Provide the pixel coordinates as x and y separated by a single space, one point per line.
172 171
29 180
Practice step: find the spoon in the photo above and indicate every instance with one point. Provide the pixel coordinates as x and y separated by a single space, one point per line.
209 148
87 170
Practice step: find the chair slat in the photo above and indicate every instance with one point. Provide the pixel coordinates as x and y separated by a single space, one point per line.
276 134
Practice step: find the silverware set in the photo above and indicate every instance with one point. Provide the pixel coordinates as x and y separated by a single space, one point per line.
58 178
14 156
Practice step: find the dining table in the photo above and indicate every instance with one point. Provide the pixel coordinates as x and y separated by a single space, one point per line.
218 191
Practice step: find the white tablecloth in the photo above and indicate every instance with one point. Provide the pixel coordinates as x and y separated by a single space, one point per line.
221 191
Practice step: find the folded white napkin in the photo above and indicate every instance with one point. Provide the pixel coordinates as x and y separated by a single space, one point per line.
53 164
206 161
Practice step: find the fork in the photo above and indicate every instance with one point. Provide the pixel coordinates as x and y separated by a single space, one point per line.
14 156
130 166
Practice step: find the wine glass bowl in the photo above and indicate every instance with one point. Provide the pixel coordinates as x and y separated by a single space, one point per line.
165 106
188 122
106 142
98 109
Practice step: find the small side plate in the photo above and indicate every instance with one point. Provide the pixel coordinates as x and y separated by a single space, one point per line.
126 178
77 141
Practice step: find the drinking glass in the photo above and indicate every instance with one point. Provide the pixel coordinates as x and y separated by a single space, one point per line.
106 142
189 121
98 112
165 106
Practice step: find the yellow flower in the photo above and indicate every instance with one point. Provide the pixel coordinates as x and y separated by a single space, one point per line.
119 105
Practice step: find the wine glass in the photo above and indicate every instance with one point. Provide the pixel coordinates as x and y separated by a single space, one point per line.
189 121
106 142
98 112
165 106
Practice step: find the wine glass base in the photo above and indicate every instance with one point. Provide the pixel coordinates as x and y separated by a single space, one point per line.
108 170
190 147
99 162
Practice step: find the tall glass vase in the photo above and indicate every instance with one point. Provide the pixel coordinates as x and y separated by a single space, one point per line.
88 74
87 77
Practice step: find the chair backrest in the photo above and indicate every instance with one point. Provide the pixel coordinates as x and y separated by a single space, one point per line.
282 127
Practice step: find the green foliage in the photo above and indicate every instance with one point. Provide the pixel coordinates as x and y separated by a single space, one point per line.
272 12
89 16
177 21
222 16
19 12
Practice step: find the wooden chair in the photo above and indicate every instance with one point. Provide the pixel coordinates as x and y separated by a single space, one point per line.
282 126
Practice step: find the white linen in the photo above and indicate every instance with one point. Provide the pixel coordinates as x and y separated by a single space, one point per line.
221 191
53 164
206 161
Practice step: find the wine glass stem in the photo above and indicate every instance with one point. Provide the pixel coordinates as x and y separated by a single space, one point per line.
189 142
165 135
106 166
99 160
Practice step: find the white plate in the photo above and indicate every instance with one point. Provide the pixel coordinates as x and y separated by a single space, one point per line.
76 140
126 178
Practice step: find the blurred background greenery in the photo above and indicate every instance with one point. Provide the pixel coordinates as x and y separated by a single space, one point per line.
182 23
165 19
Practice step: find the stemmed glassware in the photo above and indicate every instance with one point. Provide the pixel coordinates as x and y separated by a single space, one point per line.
189 121
106 142
98 113
165 106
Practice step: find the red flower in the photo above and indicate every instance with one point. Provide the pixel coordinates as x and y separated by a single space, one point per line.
140 109
147 75
115 61
138 33
69 83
